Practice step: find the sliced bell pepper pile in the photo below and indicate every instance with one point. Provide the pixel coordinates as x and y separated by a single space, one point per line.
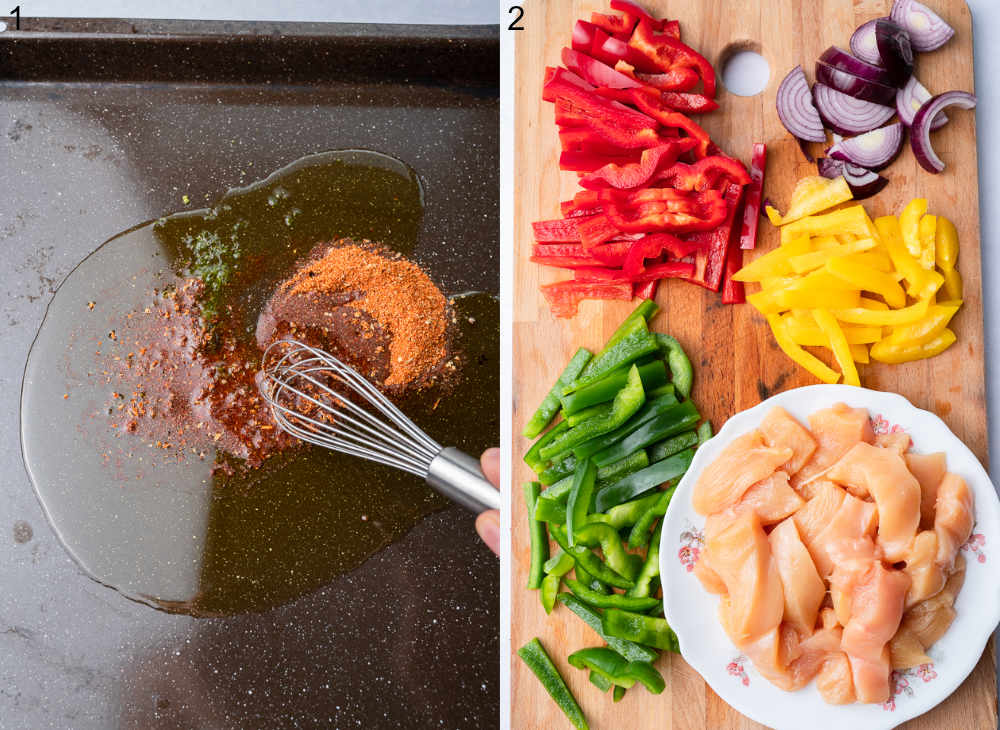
862 289
652 177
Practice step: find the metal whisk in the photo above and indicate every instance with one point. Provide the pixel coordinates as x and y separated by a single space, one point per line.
310 391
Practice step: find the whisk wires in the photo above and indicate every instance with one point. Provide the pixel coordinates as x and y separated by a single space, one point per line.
310 394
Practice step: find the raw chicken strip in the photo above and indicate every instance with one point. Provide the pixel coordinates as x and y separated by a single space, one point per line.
772 499
710 580
898 441
926 574
780 429
834 681
741 556
906 651
744 462
852 557
836 430
818 511
787 662
855 518
803 588
953 517
929 469
883 474
931 618
876 609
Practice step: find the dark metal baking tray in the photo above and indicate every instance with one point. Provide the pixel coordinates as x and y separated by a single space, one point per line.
108 123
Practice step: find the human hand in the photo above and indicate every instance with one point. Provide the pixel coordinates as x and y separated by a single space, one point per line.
488 523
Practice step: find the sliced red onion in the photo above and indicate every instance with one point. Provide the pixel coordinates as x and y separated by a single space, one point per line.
928 31
920 130
839 58
894 48
846 115
873 150
854 86
909 100
795 107
863 183
863 44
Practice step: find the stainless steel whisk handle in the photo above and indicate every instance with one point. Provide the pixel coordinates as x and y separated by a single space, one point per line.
459 477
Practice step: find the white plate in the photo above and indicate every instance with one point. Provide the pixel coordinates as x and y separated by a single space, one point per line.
692 611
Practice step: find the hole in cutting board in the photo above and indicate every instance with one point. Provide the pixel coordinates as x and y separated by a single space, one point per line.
744 71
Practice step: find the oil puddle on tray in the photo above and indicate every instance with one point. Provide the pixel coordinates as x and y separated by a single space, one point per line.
176 532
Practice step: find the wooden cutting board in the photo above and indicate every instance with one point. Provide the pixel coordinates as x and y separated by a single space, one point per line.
737 362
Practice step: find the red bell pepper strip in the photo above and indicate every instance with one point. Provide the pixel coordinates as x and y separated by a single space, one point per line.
613 121
652 107
583 36
595 72
652 210
631 9
574 256
710 261
652 246
574 161
611 50
560 230
597 229
645 290
654 272
615 26
751 207
709 173
667 53
732 290
636 174
688 103
564 297
581 139
678 79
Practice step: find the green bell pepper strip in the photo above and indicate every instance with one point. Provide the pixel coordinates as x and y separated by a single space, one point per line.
644 311
591 582
649 410
559 564
580 416
560 470
618 693
552 511
532 458
533 654
647 630
613 600
628 513
650 570
589 561
539 539
616 669
578 502
550 404
629 650
639 537
550 587
559 491
626 403
704 432
667 389
635 346
680 365
657 612
599 681
672 421
614 471
643 480
594 534
652 374
673 445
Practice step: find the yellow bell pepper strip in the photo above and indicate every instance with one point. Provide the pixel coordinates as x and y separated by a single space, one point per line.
860 354
777 282
809 298
945 244
953 284
909 225
838 343
773 263
807 360
894 353
868 279
821 243
927 328
887 318
765 302
811 195
806 262
846 238
846 220
807 334
927 231
874 304
920 283
876 258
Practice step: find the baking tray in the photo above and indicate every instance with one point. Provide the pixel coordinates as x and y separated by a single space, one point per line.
109 123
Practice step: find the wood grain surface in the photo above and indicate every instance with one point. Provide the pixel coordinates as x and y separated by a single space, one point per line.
737 362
